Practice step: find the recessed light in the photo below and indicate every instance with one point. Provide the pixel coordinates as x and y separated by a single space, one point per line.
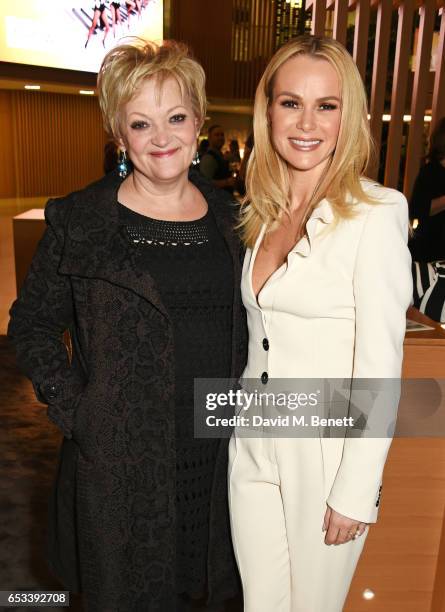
86 92
32 86
406 118
368 594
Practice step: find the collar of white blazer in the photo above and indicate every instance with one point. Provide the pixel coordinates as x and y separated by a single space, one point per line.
321 213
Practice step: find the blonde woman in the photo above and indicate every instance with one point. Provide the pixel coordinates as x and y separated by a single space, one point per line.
143 268
326 283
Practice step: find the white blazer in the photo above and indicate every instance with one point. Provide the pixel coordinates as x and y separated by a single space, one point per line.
337 309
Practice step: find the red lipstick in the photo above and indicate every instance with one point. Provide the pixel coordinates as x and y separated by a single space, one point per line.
161 154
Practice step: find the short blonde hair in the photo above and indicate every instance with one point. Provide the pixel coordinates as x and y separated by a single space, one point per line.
127 66
268 178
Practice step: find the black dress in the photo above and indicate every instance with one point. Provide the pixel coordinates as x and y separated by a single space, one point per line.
192 269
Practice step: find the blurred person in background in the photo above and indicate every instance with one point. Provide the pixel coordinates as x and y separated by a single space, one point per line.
427 203
143 269
232 155
203 147
111 157
213 165
241 179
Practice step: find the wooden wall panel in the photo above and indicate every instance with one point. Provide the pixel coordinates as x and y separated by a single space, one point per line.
340 20
399 88
57 143
415 139
7 150
361 28
379 74
318 17
438 106
269 39
207 28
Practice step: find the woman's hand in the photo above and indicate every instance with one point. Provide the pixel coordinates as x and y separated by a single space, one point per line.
341 529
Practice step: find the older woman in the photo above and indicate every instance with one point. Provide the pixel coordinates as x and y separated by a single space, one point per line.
144 273
326 284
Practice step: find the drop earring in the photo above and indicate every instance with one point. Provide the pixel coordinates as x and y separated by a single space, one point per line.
123 165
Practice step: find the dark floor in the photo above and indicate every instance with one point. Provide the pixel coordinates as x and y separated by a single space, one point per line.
28 451
29 444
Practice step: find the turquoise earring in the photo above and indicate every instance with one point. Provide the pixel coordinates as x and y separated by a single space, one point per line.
123 165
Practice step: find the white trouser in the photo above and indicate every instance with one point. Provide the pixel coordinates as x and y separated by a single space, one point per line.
277 494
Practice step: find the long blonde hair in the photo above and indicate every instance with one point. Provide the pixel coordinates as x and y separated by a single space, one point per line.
268 178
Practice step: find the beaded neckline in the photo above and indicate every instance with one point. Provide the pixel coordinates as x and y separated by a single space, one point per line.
144 230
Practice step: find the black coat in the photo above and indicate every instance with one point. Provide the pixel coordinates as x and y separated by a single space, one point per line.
113 504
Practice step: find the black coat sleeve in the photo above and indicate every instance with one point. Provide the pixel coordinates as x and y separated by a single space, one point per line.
41 314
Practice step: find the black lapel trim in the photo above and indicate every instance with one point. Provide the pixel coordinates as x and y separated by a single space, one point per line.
96 245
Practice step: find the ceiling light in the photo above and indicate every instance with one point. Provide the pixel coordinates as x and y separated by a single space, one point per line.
86 92
406 118
32 86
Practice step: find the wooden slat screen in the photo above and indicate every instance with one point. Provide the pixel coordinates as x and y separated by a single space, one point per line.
379 72
253 30
414 151
438 106
8 152
260 26
362 14
399 89
56 146
207 28
318 22
340 20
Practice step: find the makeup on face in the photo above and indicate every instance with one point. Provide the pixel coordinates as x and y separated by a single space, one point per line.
305 114
159 130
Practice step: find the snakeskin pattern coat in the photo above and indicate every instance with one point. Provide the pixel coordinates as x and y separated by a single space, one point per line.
112 511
